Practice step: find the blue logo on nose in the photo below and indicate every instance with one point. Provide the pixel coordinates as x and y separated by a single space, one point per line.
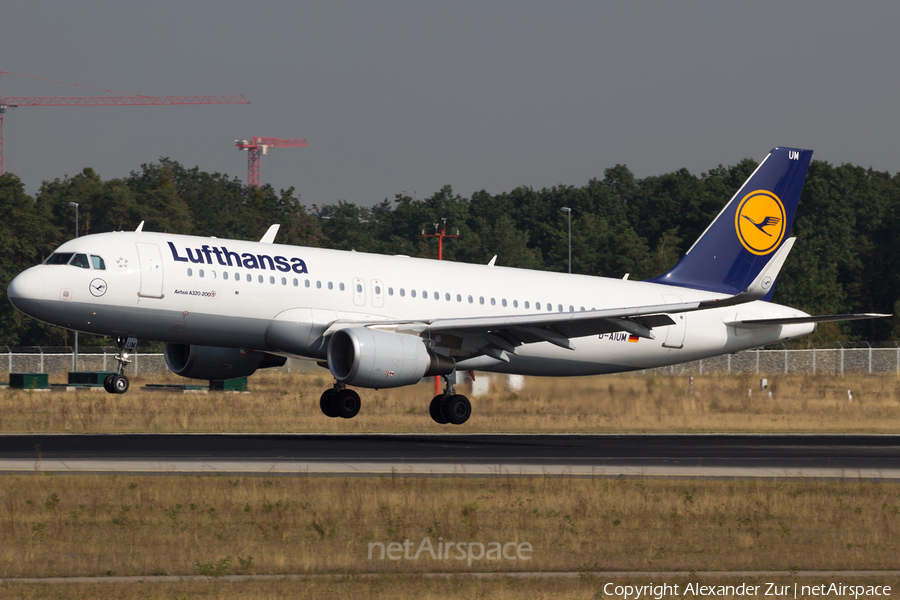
98 287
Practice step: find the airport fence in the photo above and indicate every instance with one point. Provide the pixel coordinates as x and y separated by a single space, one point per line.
839 360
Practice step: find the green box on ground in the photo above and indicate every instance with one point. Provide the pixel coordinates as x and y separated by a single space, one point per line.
229 385
89 377
29 381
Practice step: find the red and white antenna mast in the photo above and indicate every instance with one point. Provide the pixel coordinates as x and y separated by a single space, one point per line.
258 146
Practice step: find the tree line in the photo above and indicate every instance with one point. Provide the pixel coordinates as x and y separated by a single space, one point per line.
844 259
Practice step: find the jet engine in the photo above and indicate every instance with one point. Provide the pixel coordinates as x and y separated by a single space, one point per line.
210 362
374 358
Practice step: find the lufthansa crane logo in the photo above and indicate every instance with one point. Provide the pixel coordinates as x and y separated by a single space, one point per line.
759 222
98 287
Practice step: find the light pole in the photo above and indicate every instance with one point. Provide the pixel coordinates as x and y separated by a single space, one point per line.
75 353
568 211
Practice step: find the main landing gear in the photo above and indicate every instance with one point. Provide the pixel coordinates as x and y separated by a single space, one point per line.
340 402
450 407
117 383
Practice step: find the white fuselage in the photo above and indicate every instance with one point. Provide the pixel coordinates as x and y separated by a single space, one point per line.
190 295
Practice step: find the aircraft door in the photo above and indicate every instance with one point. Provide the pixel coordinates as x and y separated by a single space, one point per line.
359 291
377 293
675 333
151 270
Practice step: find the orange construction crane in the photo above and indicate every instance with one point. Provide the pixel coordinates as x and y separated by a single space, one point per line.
258 146
127 100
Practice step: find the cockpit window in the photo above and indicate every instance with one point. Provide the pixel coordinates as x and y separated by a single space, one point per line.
97 263
80 260
58 258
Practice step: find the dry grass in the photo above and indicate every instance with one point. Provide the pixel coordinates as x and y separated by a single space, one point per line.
92 525
283 402
401 588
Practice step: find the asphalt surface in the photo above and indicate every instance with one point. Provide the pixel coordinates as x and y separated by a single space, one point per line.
790 452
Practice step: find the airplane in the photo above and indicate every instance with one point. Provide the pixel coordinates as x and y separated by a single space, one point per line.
226 308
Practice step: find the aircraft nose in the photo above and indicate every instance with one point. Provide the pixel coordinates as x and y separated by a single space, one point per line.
26 286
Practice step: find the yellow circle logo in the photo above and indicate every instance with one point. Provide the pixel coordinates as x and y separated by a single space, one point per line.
759 222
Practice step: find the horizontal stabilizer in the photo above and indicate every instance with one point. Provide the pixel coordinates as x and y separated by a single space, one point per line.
759 323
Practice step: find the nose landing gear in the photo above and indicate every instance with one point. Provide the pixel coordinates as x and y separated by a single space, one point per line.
117 383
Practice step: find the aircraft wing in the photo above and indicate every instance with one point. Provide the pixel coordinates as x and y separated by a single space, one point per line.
496 335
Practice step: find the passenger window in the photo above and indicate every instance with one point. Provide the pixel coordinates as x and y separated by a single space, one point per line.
481 299
212 274
571 308
402 292
437 296
296 283
537 306
526 304
559 307
412 293
582 309
249 278
80 260
98 263
272 279
225 275
425 294
190 272
284 281
306 283
378 290
359 287
318 285
58 258
330 286
200 272
459 297
260 277
503 302
470 300
390 291
342 287
493 302
237 276
447 297
515 304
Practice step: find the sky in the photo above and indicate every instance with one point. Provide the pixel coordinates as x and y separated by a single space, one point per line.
397 97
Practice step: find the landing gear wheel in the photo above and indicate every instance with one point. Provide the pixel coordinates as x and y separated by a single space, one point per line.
107 383
435 410
348 404
456 409
328 403
118 383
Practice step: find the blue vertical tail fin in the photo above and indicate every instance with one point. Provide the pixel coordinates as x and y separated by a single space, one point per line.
754 224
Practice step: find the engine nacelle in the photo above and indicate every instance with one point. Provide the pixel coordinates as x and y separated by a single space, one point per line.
210 362
373 358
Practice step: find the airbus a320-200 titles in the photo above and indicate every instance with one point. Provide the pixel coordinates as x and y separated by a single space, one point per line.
225 308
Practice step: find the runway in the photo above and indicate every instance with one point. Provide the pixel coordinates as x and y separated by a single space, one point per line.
687 455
